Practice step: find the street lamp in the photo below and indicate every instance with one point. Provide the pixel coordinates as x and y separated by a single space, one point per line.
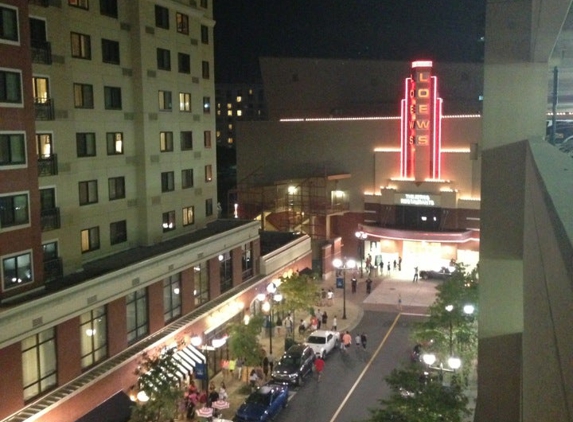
450 308
454 364
343 265
267 307
361 238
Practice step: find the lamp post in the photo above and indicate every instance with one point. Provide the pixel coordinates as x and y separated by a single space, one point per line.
450 308
343 265
361 238
267 307
454 364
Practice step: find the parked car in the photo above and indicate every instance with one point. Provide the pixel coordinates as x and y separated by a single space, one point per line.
323 342
294 365
263 404
442 274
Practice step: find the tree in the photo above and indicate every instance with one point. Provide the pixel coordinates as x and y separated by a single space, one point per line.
158 379
416 397
299 293
244 340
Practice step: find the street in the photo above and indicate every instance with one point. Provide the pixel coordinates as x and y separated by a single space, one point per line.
353 382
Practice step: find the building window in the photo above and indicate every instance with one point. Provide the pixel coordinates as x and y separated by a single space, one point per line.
88 192
168 221
165 100
39 363
171 297
186 140
208 173
186 179
14 210
201 283
82 4
10 87
114 141
206 105
12 149
165 141
163 59
90 239
208 207
188 216
17 270
47 199
167 181
83 96
93 337
226 271
205 69
116 186
204 34
207 139
112 97
44 145
81 46
41 89
118 232
184 101
137 315
182 23
161 17
247 260
109 51
9 24
86 144
108 8
184 63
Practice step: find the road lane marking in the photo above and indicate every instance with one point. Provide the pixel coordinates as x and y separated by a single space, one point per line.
365 368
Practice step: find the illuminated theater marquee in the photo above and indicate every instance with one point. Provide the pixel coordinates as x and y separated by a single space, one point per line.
419 200
421 114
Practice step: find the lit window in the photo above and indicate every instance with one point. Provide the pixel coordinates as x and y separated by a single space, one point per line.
82 4
188 216
90 239
114 143
81 46
206 105
239 98
207 139
165 100
182 23
239 113
184 101
93 337
165 141
168 221
208 173
17 270
39 359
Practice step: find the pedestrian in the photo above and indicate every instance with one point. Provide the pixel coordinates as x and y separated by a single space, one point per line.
399 263
225 368
346 340
301 327
415 280
223 395
266 367
330 297
322 297
232 366
213 394
239 367
363 340
318 319
358 340
253 379
271 362
324 319
354 284
278 325
399 301
394 264
388 266
368 285
318 367
334 323
288 325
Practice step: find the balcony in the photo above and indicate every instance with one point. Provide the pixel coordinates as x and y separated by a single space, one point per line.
43 3
44 108
48 166
50 219
53 269
41 52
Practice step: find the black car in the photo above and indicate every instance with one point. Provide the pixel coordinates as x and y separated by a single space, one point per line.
294 365
443 274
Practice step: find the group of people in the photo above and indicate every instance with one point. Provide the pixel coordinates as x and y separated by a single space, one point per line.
360 340
192 398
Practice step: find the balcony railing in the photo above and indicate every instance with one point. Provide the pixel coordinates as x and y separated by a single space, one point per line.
43 3
53 269
50 219
41 52
48 166
44 108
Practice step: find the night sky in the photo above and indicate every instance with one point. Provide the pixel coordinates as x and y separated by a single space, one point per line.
441 30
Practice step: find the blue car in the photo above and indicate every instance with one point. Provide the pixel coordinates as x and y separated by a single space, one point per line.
263 404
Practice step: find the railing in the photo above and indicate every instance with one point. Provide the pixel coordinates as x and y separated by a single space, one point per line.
44 108
43 3
53 269
50 219
41 52
48 166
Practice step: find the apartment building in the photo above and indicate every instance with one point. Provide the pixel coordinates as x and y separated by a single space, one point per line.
110 244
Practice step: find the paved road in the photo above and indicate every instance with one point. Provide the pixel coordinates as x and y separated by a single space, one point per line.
354 382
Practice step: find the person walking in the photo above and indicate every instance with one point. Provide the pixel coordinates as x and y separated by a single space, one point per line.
354 284
363 340
368 285
358 340
415 280
330 297
232 366
266 367
346 341
318 367
334 323
325 319
288 325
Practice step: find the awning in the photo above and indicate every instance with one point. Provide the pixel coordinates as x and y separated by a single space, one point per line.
115 409
187 359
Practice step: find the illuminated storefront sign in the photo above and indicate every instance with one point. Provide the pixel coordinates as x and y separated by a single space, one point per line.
421 114
422 200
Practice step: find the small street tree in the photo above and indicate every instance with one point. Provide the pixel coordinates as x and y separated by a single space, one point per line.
299 293
158 380
244 340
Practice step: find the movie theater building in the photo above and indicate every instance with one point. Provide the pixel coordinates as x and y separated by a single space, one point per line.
396 144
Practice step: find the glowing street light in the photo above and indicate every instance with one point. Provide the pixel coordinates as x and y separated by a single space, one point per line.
343 265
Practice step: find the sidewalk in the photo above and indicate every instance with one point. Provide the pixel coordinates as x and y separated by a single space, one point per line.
386 290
